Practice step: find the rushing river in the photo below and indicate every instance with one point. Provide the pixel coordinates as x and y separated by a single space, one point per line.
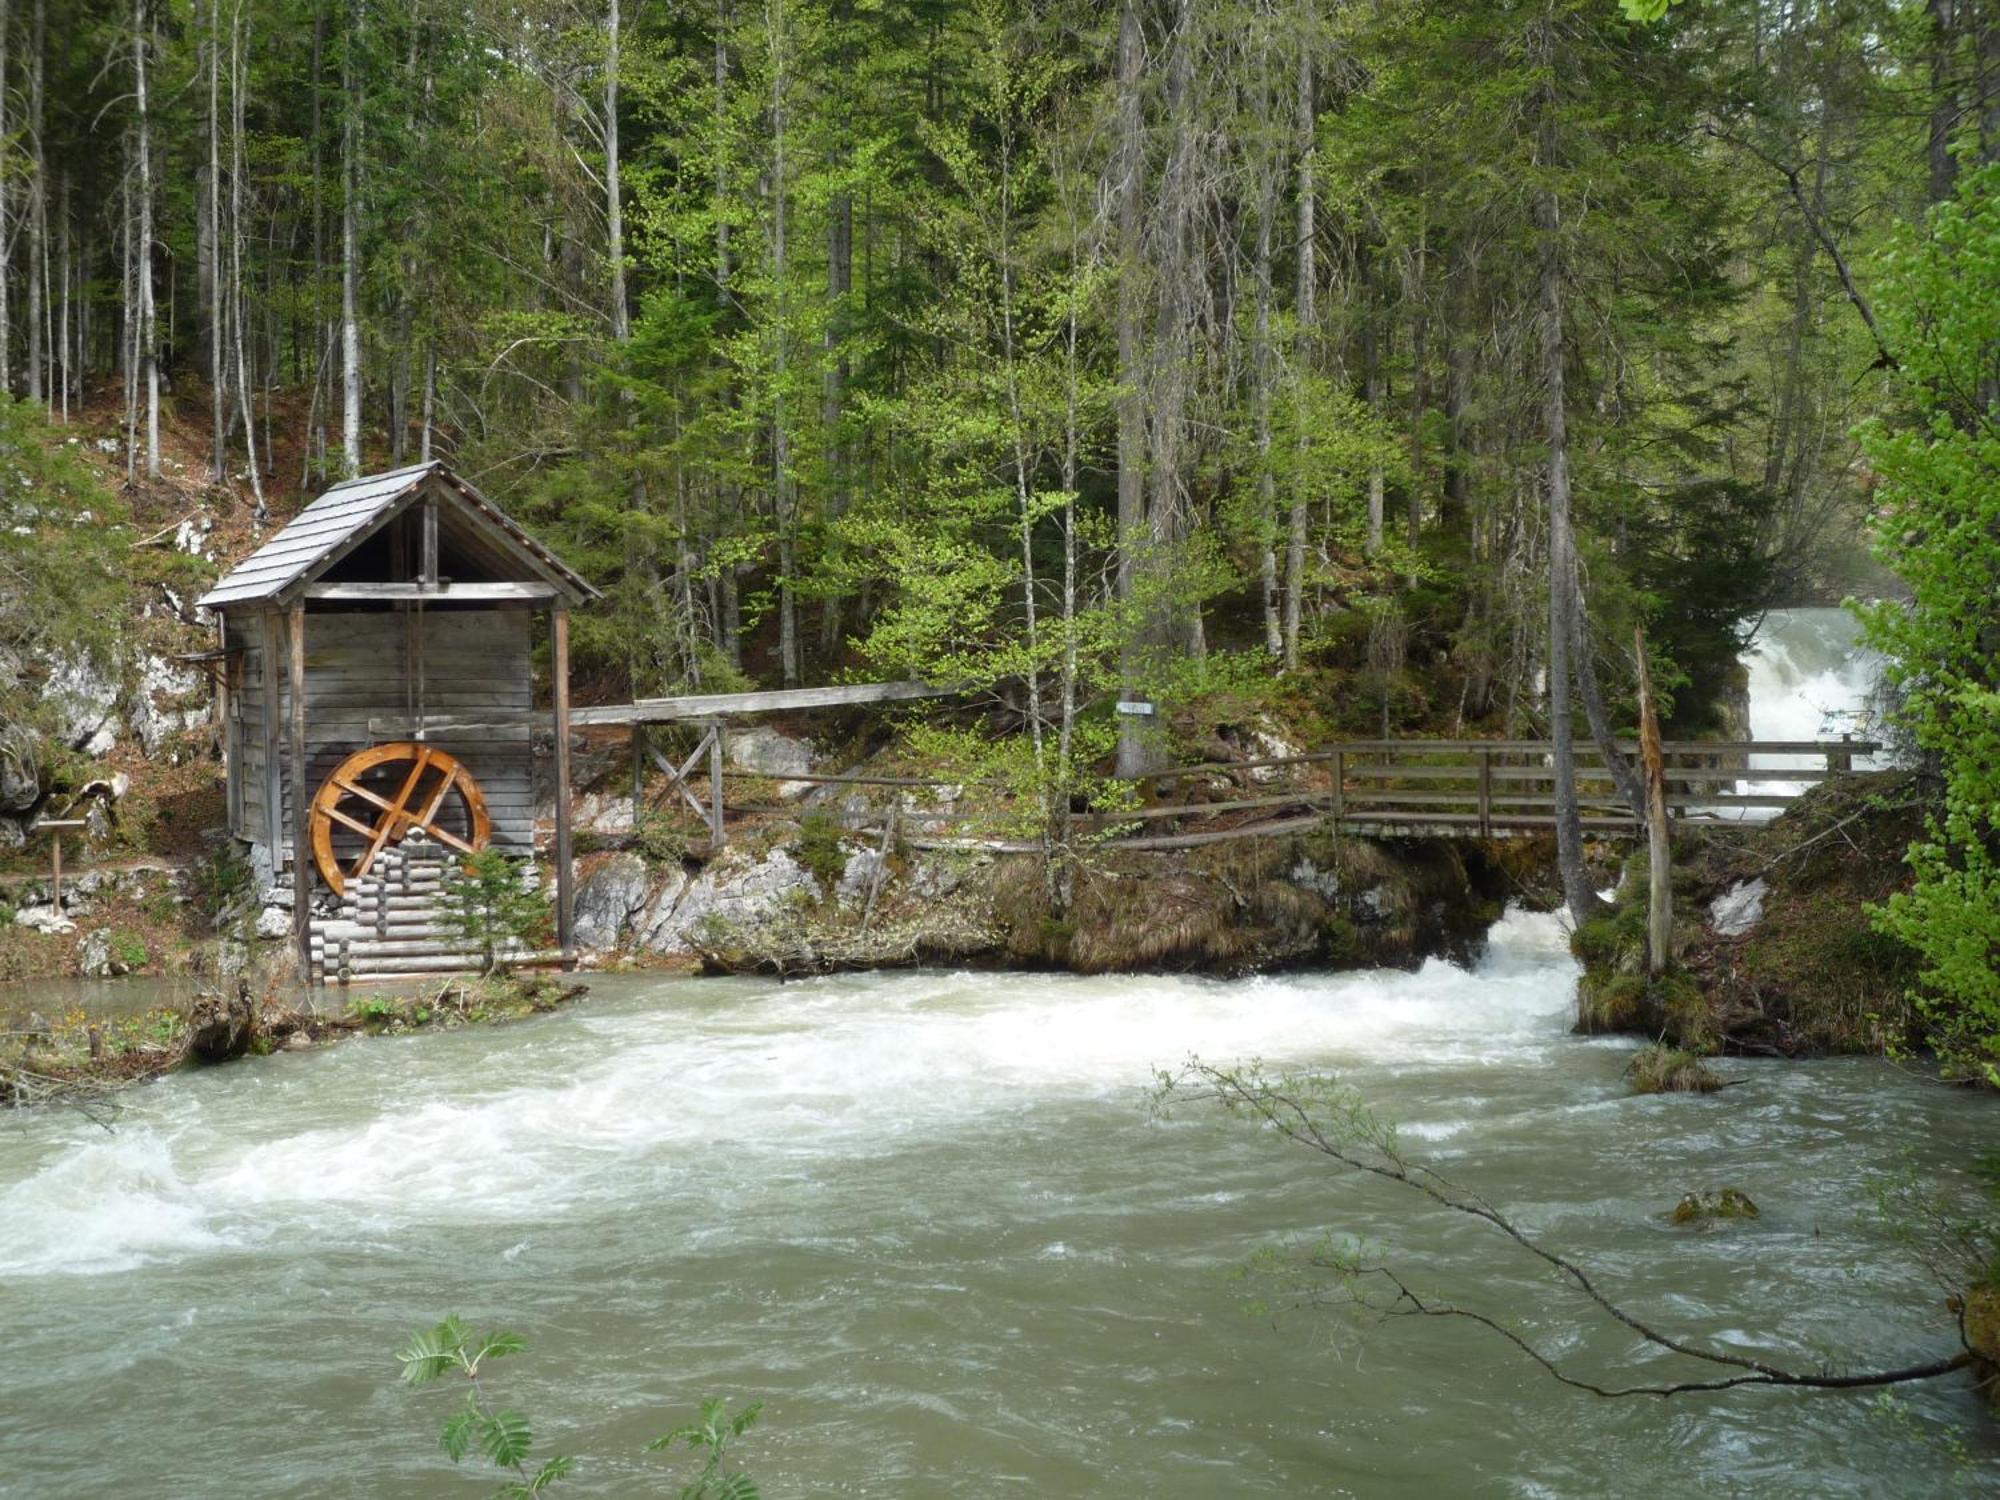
927 1219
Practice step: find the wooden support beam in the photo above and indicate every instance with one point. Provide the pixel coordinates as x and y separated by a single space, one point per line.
638 772
718 705
717 837
301 797
272 631
443 593
428 577
565 873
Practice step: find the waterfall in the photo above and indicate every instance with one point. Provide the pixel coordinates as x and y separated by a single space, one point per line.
1811 678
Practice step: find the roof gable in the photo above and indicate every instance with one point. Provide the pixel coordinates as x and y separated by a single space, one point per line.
349 513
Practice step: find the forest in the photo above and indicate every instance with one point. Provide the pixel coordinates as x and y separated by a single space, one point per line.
1019 341
1151 392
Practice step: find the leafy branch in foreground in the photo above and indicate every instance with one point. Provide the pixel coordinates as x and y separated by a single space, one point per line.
1324 1115
712 1433
505 1437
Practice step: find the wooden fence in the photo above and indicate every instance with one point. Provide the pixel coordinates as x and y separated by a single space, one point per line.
1385 788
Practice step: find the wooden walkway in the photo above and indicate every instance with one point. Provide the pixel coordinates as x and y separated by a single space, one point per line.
1377 788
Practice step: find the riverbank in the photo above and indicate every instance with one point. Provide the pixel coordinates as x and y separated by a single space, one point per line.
805 897
86 1059
1775 952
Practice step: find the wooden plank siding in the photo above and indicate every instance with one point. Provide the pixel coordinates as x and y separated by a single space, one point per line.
358 666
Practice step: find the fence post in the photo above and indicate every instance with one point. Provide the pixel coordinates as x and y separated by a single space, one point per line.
1659 852
638 770
1486 794
1840 760
715 833
1339 788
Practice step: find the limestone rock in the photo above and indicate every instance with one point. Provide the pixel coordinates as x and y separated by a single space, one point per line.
763 751
607 898
273 922
45 919
1310 877
20 782
733 893
85 698
859 875
1270 745
95 961
161 705
1739 908
604 812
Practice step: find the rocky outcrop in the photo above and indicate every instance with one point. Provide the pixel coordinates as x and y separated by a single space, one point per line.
84 699
1316 900
167 701
763 751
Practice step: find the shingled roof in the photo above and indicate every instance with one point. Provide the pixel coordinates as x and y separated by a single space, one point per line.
346 515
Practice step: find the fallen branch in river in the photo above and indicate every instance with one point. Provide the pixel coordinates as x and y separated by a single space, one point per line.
1326 1117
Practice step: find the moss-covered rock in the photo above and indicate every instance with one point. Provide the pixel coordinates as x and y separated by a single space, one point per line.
1670 1070
1705 1208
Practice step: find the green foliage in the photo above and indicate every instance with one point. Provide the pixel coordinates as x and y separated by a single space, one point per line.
712 1434
506 1439
64 539
488 903
819 848
501 1434
129 949
1939 527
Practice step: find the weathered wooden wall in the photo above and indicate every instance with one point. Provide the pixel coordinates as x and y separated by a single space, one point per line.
365 665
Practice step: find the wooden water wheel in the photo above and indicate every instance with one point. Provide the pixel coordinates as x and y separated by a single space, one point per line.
385 793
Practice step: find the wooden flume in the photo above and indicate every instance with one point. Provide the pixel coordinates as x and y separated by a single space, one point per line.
380 820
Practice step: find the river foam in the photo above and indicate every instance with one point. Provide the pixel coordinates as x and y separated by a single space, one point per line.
568 1111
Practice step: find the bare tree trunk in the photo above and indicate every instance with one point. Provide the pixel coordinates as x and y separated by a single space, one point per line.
784 496
1262 379
323 326
614 208
65 257
211 238
6 210
142 260
430 399
1128 166
350 251
1306 304
38 224
839 282
237 43
722 22
1025 511
1577 891
1944 98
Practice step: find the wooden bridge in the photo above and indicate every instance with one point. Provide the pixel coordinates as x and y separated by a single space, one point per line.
1379 788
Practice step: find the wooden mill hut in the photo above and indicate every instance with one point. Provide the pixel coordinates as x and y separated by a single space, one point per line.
380 714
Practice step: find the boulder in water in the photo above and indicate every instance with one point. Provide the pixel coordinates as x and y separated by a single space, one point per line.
219 1030
1702 1208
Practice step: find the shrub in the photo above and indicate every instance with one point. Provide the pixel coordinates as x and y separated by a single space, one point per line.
488 903
820 848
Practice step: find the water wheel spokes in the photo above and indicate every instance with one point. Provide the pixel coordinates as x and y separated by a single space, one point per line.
397 805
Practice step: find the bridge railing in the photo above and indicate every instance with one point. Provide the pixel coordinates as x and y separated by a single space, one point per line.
1448 788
